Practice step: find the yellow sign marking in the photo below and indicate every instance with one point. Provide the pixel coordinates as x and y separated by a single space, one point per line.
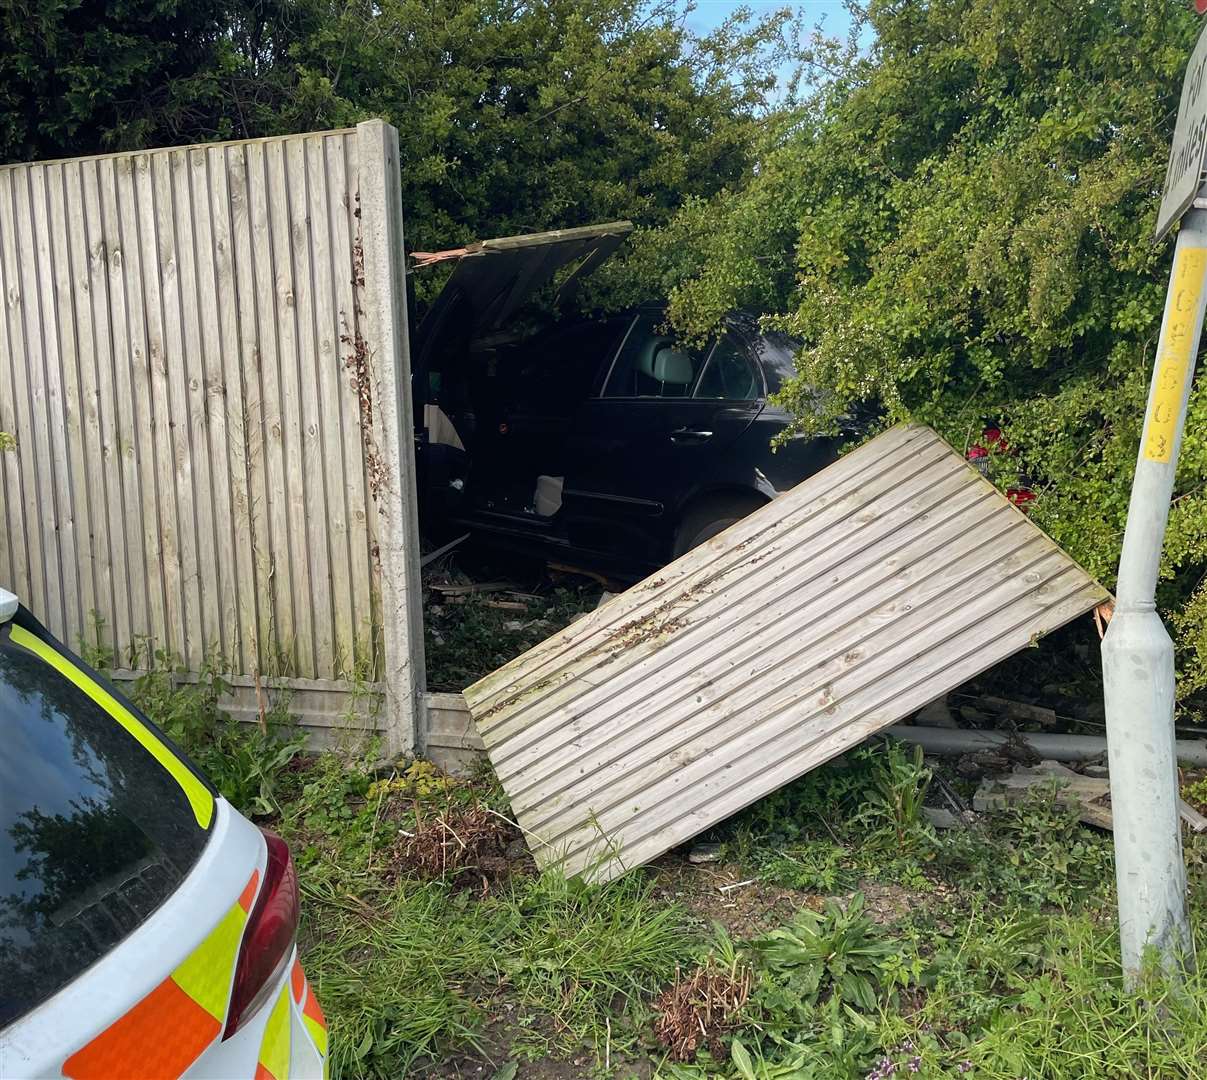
1174 362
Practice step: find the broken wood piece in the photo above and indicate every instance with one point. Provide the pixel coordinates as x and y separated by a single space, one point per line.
1020 710
1091 796
470 589
1196 821
1083 793
431 557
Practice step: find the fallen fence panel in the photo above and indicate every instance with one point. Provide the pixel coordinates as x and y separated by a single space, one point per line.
872 588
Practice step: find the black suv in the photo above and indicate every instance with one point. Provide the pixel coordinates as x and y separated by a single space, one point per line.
603 442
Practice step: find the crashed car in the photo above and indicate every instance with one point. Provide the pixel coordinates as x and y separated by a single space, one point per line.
600 442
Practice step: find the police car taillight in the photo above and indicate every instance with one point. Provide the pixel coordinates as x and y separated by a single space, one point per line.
268 937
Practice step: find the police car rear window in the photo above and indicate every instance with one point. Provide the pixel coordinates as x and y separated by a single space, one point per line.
94 833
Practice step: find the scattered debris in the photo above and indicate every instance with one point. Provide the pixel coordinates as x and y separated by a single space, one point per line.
726 889
701 1010
469 588
941 818
459 844
1089 795
1020 710
1196 821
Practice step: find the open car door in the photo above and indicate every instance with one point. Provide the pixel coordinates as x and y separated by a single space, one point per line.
452 357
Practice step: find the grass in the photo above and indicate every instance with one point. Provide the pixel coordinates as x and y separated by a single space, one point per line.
999 960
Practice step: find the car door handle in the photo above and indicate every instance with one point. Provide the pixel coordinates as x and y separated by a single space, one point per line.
690 435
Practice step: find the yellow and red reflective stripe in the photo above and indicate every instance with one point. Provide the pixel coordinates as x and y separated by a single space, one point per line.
200 797
171 1027
312 1015
274 1048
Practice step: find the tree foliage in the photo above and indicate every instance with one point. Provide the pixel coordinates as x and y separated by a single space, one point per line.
960 225
512 116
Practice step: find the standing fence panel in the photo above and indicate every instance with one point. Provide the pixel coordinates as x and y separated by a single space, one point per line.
208 393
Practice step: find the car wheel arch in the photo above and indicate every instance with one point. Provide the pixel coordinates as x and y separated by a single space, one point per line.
716 506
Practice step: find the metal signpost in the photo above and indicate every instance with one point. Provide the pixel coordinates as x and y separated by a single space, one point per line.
1137 653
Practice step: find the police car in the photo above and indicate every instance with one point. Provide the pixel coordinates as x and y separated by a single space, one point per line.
147 929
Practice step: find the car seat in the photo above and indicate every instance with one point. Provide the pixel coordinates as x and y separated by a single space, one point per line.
671 368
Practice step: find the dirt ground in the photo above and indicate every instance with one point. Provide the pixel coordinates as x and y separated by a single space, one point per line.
721 892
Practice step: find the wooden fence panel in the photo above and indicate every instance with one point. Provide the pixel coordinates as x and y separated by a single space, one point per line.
197 374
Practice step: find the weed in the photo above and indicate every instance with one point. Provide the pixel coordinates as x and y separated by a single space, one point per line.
589 954
1034 854
245 762
839 954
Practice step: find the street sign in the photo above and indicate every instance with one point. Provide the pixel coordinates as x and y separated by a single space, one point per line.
1189 148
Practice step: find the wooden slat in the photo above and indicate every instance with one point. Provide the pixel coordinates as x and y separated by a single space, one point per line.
231 446
342 164
253 512
276 621
187 409
205 494
312 489
330 435
37 432
95 276
65 436
91 504
146 546
20 475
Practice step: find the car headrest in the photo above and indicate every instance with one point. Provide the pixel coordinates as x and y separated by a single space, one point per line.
672 366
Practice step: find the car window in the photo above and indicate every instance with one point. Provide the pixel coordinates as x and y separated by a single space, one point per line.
94 832
652 364
778 355
729 375
560 369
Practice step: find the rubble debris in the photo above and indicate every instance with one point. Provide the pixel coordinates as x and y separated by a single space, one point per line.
432 556
940 817
1090 796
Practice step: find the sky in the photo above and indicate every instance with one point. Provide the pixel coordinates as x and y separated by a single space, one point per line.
710 13
831 14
